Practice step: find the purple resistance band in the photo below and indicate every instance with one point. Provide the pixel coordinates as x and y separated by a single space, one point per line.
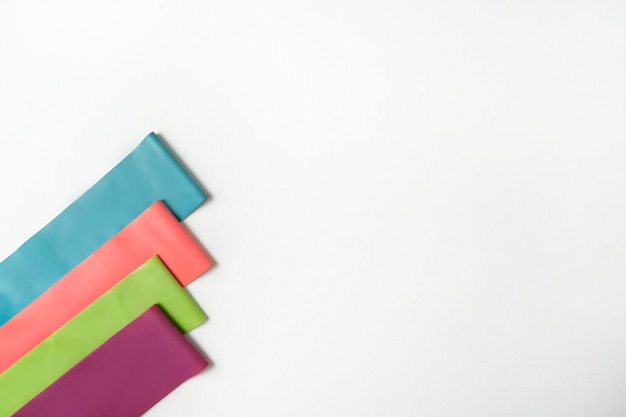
125 376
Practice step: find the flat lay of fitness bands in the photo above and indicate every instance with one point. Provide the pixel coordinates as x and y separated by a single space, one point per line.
104 284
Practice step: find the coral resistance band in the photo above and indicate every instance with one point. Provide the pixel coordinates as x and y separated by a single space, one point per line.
155 231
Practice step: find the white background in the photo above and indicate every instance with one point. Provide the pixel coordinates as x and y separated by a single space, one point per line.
419 207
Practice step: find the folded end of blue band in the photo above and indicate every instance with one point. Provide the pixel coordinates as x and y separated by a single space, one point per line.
194 193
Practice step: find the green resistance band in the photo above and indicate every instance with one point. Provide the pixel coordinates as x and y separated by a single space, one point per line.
149 284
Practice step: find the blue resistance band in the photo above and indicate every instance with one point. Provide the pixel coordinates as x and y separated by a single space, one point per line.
147 174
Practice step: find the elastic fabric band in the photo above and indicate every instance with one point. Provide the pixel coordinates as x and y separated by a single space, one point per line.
150 284
155 231
124 377
147 174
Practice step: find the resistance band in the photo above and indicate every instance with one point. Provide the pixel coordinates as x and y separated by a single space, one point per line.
155 231
124 377
147 174
150 284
